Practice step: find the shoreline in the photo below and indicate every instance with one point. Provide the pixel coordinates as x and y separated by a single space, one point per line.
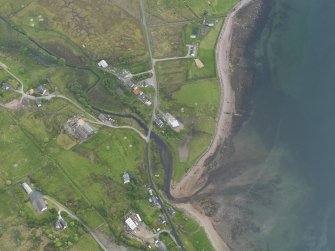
196 177
193 180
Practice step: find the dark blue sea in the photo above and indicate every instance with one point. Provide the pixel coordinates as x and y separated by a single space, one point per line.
293 116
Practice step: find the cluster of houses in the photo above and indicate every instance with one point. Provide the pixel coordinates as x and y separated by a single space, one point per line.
125 77
134 225
79 128
40 90
138 92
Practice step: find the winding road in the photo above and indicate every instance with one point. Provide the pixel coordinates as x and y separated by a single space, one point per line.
51 96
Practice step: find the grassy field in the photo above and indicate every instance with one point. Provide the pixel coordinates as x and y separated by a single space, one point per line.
206 53
168 41
65 174
212 7
193 236
180 96
166 11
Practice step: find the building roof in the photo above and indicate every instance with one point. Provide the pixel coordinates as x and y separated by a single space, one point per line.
136 90
41 90
103 64
61 224
172 121
5 86
37 201
126 178
131 224
27 188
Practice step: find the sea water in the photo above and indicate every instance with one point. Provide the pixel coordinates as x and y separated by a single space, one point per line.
293 119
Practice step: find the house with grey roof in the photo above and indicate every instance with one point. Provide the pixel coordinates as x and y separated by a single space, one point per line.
41 90
61 223
5 86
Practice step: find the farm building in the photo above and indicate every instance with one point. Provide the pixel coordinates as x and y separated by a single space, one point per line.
78 128
27 188
132 221
103 64
36 198
172 121
37 201
131 224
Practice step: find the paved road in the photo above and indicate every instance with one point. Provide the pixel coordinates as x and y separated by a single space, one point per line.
155 101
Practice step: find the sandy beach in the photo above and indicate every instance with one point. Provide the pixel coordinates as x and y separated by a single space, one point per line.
196 176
